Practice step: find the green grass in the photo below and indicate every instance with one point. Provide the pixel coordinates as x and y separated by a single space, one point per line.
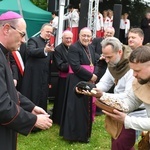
50 139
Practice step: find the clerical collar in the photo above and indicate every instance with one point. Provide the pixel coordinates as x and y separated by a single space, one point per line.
66 46
45 40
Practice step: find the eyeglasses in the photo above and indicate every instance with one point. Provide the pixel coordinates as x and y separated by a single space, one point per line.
49 32
84 35
20 32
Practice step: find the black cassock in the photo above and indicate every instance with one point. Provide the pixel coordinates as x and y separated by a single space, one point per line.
37 72
61 62
96 42
14 108
146 29
76 123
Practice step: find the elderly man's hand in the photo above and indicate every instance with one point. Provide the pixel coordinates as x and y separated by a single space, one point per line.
43 122
94 92
38 110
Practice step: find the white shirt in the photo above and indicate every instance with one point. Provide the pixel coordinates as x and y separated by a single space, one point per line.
99 23
125 24
111 21
55 22
73 18
107 22
121 90
123 86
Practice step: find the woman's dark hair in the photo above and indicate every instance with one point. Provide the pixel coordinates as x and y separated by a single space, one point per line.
140 55
55 13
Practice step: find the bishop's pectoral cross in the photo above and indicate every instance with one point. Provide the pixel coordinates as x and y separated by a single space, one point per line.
89 56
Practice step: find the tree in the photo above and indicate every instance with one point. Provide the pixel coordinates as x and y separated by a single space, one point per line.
138 10
135 8
40 3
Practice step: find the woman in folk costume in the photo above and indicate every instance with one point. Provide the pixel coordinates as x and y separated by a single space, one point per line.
54 24
73 20
99 25
124 28
110 15
76 124
106 21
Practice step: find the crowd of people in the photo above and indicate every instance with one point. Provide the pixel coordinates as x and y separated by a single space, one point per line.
117 67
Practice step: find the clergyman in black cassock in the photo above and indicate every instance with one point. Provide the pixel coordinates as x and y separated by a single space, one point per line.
17 113
76 123
61 62
35 82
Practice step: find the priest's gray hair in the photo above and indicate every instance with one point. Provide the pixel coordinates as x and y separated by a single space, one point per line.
113 42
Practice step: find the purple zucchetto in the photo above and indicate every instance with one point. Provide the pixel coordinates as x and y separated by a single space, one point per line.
10 15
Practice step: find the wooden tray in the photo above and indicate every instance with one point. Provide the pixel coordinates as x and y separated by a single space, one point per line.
104 106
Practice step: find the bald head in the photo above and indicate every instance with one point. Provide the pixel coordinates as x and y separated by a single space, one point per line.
85 29
85 36
67 37
67 32
109 32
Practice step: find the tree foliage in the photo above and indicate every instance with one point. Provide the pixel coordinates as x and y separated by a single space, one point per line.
40 3
135 8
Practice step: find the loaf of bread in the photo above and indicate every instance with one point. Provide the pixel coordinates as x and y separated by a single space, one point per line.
114 102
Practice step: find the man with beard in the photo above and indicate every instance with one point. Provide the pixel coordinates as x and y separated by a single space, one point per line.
139 93
61 62
120 74
109 32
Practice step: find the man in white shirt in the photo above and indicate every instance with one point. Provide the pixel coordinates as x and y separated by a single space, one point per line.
118 72
139 93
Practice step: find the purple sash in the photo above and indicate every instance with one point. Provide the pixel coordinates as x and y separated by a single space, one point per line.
87 67
63 74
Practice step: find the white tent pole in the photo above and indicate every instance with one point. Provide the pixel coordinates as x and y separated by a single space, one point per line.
60 22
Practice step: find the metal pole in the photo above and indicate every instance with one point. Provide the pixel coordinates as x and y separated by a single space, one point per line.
68 2
60 22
